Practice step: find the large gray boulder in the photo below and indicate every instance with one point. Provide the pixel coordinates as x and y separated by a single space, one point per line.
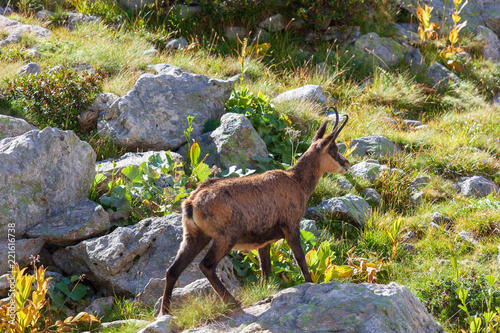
153 115
10 126
309 92
24 249
15 29
381 50
478 186
349 208
490 41
333 307
366 170
124 261
235 141
41 173
81 220
441 75
371 146
87 119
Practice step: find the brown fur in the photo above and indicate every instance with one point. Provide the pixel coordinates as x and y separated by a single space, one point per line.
252 212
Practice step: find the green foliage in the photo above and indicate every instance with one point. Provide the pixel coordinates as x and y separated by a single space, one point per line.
318 12
55 98
67 288
442 299
155 188
267 121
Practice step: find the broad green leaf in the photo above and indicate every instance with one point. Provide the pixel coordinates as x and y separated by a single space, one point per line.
79 292
475 325
194 154
132 173
462 294
491 279
341 272
202 172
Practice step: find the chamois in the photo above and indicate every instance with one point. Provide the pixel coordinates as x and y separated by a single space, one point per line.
251 213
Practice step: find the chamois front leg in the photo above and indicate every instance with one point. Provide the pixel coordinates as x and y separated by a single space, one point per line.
265 263
293 239
190 247
219 249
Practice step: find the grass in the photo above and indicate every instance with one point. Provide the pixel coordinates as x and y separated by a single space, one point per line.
462 137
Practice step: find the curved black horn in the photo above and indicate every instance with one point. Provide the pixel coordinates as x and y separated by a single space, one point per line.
342 126
336 118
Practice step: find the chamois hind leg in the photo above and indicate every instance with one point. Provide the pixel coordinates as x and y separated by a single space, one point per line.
265 262
219 249
190 247
293 239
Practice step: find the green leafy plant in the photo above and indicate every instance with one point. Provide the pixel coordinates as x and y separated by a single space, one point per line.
29 313
60 292
267 121
393 233
426 29
55 98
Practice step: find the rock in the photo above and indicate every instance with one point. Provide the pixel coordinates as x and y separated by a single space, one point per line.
415 59
152 52
372 196
41 173
417 198
31 68
441 219
410 236
412 123
308 92
124 261
234 142
260 36
88 119
177 44
235 33
407 33
409 247
45 14
16 29
99 306
333 307
433 225
382 51
10 126
490 41
273 23
441 75
83 219
153 291
74 19
469 237
366 170
478 186
153 115
374 146
106 166
310 226
164 324
349 208
116 325
420 182
344 184
6 11
341 35
24 249
4 285
421 127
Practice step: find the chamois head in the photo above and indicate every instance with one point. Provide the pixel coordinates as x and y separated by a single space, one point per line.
331 160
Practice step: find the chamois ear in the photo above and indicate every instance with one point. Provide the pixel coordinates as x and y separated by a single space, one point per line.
321 132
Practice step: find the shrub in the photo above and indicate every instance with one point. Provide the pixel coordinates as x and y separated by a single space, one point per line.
55 98
267 121
442 301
